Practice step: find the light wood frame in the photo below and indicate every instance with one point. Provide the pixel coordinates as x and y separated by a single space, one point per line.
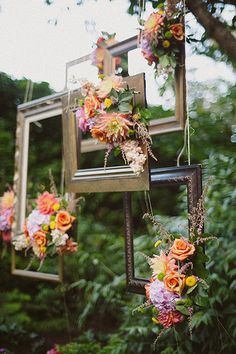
115 179
160 125
27 113
169 176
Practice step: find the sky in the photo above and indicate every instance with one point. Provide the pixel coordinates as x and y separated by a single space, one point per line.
32 46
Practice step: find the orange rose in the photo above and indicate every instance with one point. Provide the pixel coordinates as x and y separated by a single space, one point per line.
174 282
64 221
182 249
177 31
91 103
40 238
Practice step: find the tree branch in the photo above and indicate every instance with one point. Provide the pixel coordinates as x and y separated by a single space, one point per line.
215 28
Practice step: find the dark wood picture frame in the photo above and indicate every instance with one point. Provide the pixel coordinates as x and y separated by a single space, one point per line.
169 176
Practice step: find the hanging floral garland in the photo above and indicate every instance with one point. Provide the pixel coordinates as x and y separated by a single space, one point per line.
162 38
107 111
46 230
178 287
98 54
6 215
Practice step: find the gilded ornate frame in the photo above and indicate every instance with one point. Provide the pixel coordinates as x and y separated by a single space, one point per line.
169 176
161 125
115 179
36 110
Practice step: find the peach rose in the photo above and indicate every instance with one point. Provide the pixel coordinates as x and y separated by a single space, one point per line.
40 238
153 23
182 249
108 83
7 200
64 221
45 203
174 282
91 103
177 31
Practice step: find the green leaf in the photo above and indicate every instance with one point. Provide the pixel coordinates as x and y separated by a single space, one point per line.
191 289
182 309
125 107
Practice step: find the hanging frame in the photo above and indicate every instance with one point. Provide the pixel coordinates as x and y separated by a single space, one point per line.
109 179
34 111
170 176
160 125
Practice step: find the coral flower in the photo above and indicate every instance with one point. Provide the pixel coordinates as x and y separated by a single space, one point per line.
64 220
177 31
169 318
91 103
162 264
182 249
7 200
174 282
70 247
153 23
41 241
108 83
111 127
45 203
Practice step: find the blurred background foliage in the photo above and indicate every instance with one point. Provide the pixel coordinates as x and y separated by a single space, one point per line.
91 312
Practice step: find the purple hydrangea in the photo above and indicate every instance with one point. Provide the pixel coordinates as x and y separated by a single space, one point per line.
162 298
35 221
4 219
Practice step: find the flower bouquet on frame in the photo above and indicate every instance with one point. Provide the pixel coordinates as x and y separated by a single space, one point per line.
47 228
162 38
98 54
108 113
6 217
177 288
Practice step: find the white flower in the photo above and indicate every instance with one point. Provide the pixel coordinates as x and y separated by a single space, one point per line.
20 243
134 155
59 238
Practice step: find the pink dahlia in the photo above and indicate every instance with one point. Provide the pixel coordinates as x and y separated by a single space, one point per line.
111 127
153 23
7 200
169 318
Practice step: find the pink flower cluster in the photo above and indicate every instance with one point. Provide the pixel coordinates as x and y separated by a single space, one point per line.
161 35
6 215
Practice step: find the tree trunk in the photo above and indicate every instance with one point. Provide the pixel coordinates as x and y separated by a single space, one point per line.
215 28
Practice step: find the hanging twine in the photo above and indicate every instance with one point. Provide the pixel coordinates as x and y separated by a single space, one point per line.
187 143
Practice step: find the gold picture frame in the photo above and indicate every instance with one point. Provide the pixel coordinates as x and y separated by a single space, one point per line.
115 179
33 111
160 125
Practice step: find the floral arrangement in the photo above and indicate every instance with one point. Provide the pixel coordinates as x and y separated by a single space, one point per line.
108 113
46 228
161 38
178 287
6 215
98 54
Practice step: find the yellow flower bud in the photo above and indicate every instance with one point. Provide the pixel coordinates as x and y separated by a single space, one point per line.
161 12
136 116
166 43
52 225
155 320
43 249
45 227
56 207
157 244
191 280
107 102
